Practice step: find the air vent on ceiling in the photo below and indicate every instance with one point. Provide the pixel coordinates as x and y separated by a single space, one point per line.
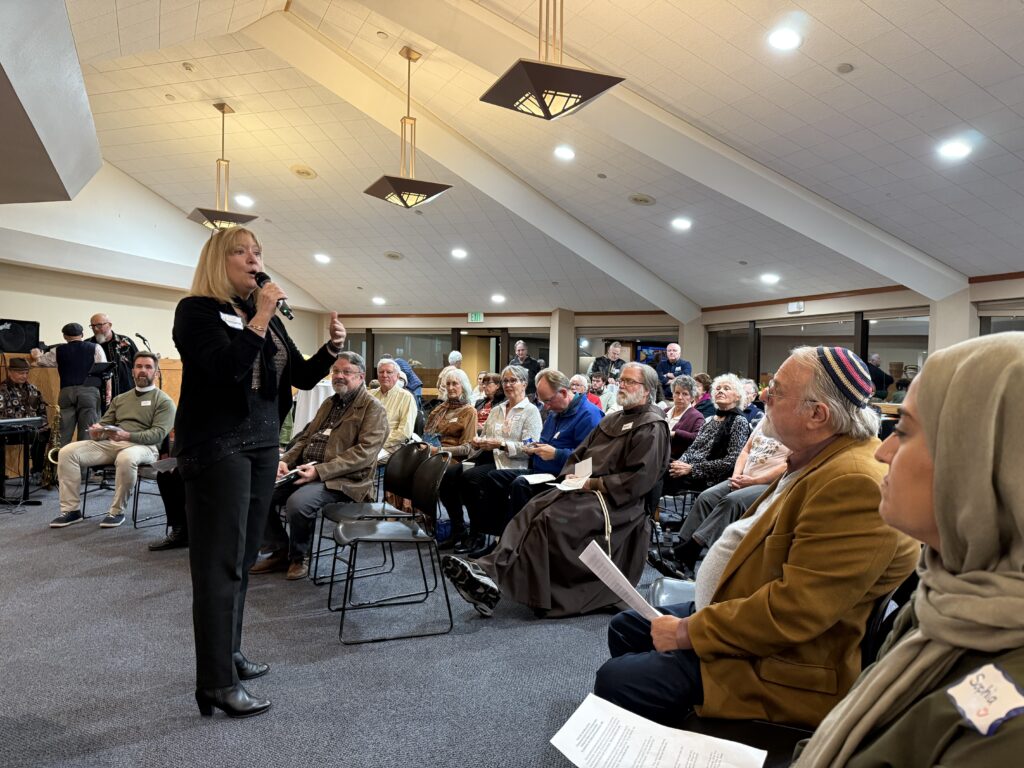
303 172
639 198
394 255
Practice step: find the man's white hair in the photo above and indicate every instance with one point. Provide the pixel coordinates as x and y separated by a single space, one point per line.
454 357
844 417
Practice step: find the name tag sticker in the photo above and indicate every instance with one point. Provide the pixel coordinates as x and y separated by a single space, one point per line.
627 425
146 402
326 431
556 435
232 321
987 698
679 368
453 419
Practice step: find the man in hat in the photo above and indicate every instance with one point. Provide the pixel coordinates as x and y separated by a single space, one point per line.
783 597
21 400
79 402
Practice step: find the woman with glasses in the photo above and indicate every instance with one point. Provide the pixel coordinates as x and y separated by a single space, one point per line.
578 385
490 384
712 456
499 446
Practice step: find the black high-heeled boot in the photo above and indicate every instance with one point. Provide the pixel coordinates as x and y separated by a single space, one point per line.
248 670
233 701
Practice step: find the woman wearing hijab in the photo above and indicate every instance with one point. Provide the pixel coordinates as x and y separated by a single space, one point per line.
238 368
946 689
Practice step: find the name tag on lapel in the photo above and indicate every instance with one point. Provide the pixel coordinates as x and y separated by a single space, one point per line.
326 431
453 419
146 402
627 425
987 698
232 321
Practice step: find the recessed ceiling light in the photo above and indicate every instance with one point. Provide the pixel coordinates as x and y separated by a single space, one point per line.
873 322
769 279
459 253
681 223
641 198
464 333
323 258
563 152
584 343
497 298
382 34
244 200
378 300
955 149
844 68
784 39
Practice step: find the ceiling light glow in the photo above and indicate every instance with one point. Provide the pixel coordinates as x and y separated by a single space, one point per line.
459 253
323 258
954 149
378 300
244 200
769 279
681 223
564 152
784 39
498 298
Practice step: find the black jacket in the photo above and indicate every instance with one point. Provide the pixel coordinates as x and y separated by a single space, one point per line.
217 361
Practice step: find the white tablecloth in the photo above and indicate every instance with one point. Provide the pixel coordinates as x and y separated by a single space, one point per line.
306 403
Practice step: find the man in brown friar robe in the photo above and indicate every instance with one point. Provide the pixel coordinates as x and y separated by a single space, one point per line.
537 560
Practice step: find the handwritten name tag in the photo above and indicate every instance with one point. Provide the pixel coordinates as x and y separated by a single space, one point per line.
146 402
326 432
987 698
453 419
232 321
627 425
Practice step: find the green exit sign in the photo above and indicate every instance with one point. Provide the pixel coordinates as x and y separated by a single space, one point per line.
474 317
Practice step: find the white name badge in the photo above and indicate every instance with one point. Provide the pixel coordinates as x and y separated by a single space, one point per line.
556 435
627 425
453 419
146 402
987 698
326 431
232 321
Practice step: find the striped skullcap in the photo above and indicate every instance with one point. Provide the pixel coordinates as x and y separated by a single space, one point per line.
848 372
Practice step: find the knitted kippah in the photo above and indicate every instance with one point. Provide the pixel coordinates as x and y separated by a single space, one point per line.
848 372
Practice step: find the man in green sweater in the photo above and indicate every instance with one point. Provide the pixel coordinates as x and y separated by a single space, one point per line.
128 434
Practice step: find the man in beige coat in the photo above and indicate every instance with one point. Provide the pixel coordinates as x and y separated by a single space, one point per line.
783 597
335 459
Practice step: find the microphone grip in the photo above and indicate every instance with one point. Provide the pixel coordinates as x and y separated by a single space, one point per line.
262 278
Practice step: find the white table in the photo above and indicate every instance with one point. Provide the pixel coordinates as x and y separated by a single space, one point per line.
307 402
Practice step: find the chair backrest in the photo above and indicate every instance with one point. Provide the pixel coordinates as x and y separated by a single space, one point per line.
401 469
421 422
427 484
883 617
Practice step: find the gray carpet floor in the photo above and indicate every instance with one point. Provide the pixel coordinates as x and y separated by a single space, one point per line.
97 665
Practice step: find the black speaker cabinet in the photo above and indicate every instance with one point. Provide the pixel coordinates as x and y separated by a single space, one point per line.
18 335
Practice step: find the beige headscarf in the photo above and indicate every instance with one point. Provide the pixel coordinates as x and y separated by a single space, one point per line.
971 594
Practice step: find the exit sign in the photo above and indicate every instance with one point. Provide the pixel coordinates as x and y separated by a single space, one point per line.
474 317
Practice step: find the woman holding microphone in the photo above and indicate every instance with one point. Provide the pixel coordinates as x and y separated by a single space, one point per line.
238 367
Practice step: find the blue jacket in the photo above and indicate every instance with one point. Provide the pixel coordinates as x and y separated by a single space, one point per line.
679 368
565 431
415 386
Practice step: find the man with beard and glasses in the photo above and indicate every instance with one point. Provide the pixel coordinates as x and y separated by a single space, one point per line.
128 434
118 348
336 459
537 560
783 597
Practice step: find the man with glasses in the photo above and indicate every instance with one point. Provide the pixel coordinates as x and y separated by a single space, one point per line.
335 457
783 597
399 404
118 349
537 560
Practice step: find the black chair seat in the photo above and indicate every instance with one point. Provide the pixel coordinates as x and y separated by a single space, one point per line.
666 591
348 510
380 531
776 739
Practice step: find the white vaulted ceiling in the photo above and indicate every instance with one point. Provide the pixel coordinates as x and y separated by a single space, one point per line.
852 156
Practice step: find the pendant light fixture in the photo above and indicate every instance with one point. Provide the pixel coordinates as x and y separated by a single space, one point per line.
220 217
546 88
406 190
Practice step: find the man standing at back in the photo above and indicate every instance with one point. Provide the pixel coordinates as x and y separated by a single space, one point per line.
671 367
522 358
118 348
784 595
79 403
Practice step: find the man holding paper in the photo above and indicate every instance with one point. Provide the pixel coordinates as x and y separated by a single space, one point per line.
128 434
783 596
537 560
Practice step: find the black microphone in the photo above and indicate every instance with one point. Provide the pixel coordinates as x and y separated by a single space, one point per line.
144 341
262 278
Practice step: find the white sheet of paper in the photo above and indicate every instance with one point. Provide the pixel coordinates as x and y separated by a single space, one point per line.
598 561
582 470
536 479
600 734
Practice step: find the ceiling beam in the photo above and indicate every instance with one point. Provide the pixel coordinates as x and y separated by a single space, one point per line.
320 59
485 39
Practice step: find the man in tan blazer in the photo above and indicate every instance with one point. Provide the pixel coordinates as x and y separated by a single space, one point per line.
335 458
783 598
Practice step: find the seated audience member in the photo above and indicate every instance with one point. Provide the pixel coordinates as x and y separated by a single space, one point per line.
902 385
761 462
499 446
21 400
684 421
492 395
523 360
412 381
712 456
399 405
478 391
129 433
704 402
336 458
672 367
578 385
452 427
536 562
172 494
570 418
751 412
599 387
610 364
783 597
945 689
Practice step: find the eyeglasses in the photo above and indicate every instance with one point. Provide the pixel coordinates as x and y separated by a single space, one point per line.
97 325
510 382
771 394
346 374
631 382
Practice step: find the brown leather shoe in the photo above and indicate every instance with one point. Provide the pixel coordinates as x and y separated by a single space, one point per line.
297 570
278 561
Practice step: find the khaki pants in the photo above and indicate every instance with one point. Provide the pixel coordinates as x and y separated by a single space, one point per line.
125 457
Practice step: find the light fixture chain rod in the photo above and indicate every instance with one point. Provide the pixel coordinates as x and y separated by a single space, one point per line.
560 47
540 30
408 87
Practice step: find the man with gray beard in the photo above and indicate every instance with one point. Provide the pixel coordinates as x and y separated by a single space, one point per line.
537 560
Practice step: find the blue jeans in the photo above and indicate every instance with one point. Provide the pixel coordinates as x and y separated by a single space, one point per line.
662 687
